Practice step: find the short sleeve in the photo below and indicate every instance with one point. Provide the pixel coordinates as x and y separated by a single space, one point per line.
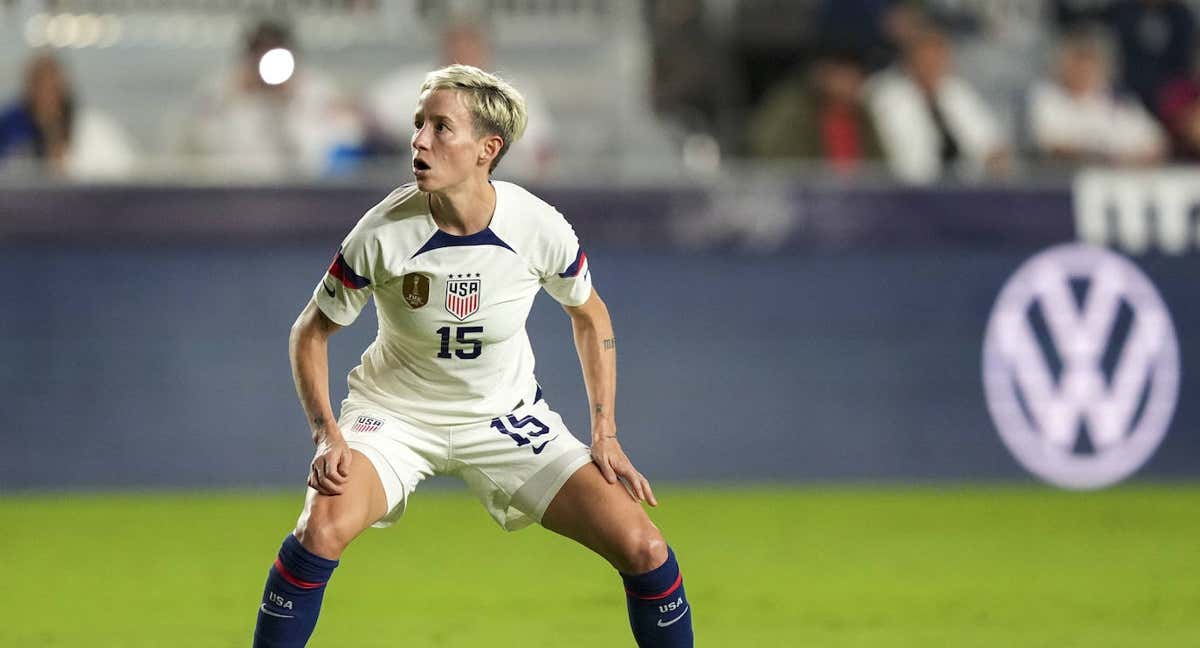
347 285
1134 131
566 275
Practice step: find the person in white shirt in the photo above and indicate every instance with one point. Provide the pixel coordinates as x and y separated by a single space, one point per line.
247 122
1076 117
932 123
454 262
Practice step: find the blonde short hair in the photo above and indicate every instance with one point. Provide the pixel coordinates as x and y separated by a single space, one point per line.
496 107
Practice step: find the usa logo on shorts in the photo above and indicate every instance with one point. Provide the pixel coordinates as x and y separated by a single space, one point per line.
367 424
462 295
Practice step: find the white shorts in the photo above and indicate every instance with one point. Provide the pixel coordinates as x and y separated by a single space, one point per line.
514 464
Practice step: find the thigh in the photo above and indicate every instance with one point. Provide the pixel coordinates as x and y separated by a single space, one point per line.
402 454
603 517
329 522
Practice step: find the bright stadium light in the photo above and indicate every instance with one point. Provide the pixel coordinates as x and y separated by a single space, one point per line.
276 66
90 30
35 30
62 30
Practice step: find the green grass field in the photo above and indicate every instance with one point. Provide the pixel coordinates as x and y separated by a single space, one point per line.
930 567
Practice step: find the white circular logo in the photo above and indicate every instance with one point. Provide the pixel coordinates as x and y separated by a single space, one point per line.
1080 366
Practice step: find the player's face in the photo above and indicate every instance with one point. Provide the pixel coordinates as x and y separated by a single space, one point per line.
445 149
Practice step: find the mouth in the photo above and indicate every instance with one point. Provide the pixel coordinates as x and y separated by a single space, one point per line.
420 167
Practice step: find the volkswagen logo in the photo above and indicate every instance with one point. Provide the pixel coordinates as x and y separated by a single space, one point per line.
1080 366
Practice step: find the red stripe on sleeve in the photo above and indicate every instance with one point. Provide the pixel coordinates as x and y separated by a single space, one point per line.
342 271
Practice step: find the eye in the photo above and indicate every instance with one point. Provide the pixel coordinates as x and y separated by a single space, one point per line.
441 128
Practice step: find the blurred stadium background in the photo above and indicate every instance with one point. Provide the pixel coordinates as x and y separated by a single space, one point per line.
802 215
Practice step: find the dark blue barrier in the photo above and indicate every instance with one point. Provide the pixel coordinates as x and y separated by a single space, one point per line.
134 365
728 215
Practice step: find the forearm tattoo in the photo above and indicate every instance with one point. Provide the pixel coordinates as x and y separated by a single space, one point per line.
610 344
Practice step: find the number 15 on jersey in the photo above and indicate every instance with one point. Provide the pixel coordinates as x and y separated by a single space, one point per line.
468 349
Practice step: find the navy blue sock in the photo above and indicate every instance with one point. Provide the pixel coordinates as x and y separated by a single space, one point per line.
292 598
659 613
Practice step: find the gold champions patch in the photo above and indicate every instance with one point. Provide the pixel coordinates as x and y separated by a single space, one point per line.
416 289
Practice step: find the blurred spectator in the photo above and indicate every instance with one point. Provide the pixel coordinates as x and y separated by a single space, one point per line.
873 28
1179 106
391 101
1001 46
1077 117
930 121
1156 38
818 115
701 74
270 115
47 124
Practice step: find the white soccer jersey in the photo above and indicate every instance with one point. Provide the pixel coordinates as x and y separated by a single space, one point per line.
451 346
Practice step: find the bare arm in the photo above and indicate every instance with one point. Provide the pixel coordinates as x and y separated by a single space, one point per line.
308 349
597 348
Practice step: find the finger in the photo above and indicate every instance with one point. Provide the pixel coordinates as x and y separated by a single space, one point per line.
330 468
314 482
650 499
625 469
325 485
610 475
625 475
344 464
331 487
333 472
636 482
628 489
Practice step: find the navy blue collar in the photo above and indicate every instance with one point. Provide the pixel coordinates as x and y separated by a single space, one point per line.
442 239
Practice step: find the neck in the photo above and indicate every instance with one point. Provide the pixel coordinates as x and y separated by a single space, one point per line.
464 210
1080 90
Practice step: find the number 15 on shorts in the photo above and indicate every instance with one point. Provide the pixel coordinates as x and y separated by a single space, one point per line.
515 423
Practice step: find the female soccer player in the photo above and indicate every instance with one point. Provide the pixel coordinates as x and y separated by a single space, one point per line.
454 262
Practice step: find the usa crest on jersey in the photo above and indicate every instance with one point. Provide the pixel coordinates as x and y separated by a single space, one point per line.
462 295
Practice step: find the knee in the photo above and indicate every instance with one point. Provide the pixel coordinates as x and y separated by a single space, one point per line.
324 534
640 551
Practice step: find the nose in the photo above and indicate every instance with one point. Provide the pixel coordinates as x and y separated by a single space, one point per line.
420 139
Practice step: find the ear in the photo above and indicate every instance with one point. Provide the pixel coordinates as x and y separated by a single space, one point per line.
489 148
